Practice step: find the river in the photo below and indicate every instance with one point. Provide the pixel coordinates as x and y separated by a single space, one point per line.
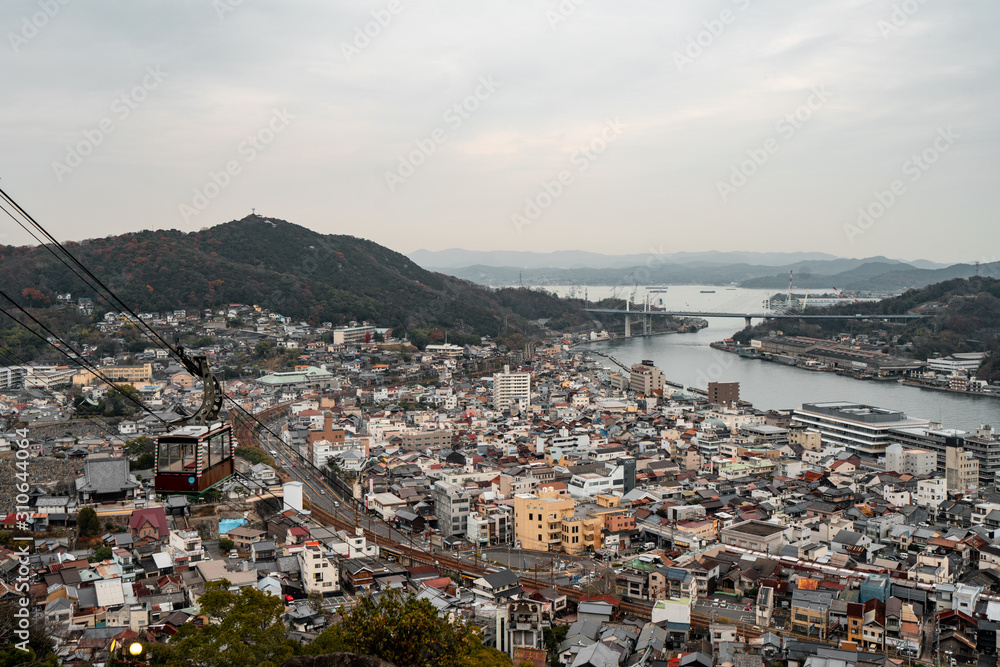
688 359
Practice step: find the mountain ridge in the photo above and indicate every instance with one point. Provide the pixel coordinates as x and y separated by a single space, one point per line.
281 266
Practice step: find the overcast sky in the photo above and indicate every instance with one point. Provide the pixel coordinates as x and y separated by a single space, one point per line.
618 127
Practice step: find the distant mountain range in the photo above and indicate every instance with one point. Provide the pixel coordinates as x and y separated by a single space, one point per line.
748 269
456 258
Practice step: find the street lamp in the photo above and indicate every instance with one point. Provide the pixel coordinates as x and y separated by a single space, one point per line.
135 649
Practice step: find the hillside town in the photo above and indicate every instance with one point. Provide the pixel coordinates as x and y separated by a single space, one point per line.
578 511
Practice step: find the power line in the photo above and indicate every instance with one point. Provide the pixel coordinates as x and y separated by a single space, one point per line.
77 359
122 304
11 356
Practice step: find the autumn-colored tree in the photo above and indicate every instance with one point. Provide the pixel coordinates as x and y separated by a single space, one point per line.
34 296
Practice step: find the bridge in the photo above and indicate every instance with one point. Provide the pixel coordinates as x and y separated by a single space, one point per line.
645 315
747 305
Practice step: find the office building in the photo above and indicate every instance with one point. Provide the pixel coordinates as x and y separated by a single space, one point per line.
862 429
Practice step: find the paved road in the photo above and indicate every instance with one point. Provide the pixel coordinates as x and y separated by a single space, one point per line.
725 611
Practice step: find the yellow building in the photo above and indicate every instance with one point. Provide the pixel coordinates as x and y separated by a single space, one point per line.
550 524
116 374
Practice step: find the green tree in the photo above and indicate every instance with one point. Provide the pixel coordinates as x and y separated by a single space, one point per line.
39 644
406 631
139 446
226 545
245 629
87 522
145 462
101 553
122 400
552 638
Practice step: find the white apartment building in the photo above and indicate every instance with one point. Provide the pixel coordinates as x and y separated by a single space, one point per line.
319 573
960 362
510 389
916 462
931 492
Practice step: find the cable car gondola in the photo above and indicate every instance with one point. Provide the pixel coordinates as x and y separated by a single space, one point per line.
197 453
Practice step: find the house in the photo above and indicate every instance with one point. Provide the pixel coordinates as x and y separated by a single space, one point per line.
243 537
263 550
497 585
148 524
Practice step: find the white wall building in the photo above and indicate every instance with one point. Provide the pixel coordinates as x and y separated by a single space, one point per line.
319 573
916 462
511 389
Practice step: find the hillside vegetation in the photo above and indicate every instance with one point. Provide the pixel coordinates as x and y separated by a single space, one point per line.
283 267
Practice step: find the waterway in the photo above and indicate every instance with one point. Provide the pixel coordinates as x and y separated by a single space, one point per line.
688 359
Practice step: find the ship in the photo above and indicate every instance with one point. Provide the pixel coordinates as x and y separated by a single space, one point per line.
708 291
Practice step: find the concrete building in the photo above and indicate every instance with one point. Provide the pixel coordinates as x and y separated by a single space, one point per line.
510 389
916 462
555 524
757 535
961 468
983 444
116 374
452 507
960 362
863 429
319 573
724 393
353 335
645 378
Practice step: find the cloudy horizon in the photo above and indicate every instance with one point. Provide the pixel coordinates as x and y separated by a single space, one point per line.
855 127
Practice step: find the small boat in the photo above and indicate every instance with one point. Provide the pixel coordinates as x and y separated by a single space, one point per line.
708 291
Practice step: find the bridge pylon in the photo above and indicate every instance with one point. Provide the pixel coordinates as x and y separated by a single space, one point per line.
749 321
628 326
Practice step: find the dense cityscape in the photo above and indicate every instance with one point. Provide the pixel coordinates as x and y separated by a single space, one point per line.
566 507
561 333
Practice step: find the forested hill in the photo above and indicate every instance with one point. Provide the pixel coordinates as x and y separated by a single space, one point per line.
280 266
963 315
